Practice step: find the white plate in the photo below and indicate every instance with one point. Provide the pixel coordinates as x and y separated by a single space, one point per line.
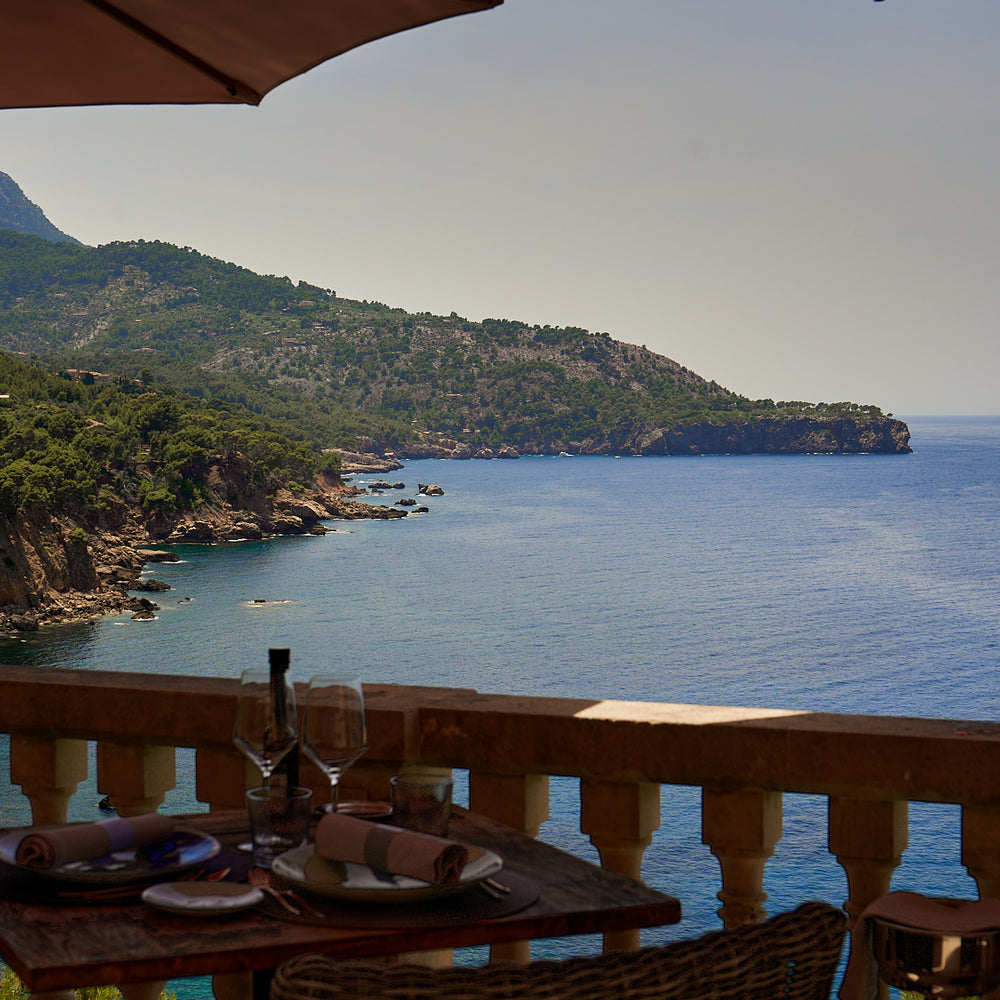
363 885
202 898
122 866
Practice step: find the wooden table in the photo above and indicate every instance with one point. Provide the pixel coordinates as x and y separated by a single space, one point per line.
53 947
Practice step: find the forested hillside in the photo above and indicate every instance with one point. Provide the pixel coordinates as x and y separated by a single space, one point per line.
367 377
69 446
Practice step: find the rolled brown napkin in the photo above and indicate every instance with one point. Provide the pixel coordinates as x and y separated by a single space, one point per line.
61 845
390 849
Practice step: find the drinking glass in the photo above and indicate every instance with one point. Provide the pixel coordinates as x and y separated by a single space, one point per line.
421 801
265 728
334 733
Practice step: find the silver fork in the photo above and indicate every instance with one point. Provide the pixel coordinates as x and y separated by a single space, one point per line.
278 884
263 880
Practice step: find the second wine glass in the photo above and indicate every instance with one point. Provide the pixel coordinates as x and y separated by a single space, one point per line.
334 731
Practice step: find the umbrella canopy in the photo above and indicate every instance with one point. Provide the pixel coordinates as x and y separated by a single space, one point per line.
73 52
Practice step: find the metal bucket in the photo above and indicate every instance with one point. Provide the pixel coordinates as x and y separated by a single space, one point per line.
936 964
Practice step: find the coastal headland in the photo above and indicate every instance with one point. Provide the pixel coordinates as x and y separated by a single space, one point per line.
803 435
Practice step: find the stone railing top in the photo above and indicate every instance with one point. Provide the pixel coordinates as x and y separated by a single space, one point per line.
712 746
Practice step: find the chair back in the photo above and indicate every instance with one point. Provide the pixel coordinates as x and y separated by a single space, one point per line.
791 956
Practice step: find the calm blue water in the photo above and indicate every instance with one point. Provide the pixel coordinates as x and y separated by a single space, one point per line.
855 584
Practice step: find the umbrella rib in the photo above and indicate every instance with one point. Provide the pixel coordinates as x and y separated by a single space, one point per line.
236 88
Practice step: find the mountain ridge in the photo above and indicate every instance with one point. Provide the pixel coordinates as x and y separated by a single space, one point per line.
20 214
367 377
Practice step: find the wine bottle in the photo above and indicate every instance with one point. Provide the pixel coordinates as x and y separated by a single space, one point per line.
287 771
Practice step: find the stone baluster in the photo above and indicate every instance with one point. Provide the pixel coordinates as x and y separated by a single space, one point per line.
149 990
741 828
222 775
619 818
517 800
520 801
135 778
233 986
981 847
48 771
868 837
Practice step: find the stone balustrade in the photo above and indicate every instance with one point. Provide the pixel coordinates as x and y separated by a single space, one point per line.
744 760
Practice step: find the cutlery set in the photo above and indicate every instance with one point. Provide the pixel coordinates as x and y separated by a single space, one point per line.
278 888
119 892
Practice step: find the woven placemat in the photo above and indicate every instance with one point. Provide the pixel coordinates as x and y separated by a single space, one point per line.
454 910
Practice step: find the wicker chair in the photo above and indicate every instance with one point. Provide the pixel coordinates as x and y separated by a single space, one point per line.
792 956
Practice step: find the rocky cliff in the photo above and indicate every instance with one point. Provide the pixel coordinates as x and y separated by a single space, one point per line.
77 567
794 436
877 435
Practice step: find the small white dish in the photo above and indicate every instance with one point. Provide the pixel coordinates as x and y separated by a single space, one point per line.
202 898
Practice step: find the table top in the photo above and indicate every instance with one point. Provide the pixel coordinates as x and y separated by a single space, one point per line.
54 947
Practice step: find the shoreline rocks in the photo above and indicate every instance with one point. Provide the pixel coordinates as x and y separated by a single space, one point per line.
76 568
354 462
56 570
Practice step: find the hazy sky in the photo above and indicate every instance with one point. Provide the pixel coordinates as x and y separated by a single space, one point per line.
797 199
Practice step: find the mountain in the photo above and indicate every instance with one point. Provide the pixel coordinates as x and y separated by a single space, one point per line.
24 216
366 377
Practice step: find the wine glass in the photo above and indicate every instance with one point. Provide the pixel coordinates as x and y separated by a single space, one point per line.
334 733
265 729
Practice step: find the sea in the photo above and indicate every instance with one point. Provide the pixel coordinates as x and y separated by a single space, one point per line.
860 583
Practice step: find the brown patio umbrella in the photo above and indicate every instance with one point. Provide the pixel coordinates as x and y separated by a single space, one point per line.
70 52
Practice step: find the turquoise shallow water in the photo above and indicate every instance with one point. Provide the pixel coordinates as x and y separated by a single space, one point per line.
855 584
